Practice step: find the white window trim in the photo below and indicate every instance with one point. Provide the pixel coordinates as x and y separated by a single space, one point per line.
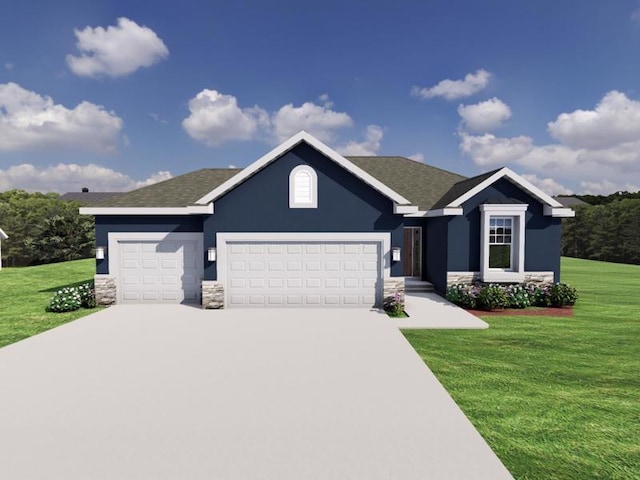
314 187
517 211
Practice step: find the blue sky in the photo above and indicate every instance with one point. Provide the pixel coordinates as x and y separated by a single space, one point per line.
114 95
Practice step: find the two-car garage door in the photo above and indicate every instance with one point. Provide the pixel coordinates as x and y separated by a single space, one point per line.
302 274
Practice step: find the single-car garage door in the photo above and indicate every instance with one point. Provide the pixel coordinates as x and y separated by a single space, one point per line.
157 271
303 274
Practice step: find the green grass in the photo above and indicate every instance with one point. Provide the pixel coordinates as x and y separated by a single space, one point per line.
556 398
26 293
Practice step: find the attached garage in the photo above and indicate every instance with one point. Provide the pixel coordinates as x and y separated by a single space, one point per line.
157 267
302 270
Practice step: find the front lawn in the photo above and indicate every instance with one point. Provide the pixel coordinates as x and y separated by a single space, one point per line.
556 398
26 292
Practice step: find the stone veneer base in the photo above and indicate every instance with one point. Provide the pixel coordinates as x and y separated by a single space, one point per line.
393 285
212 295
105 290
471 277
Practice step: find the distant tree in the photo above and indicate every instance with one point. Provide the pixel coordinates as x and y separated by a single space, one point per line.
43 229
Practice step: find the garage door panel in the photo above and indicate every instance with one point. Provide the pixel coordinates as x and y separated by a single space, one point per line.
299 274
159 271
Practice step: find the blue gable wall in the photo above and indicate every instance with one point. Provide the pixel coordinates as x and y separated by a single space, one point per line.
542 233
261 204
436 248
149 223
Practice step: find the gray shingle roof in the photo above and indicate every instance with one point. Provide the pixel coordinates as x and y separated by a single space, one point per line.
180 191
460 188
88 199
570 201
421 184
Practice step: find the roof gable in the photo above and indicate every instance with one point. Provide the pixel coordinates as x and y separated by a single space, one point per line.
301 137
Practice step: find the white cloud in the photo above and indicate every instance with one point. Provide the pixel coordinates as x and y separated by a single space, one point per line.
368 147
8 65
597 150
30 121
117 50
489 150
325 100
69 177
418 157
157 118
319 121
484 116
548 185
216 118
615 120
635 15
606 187
453 89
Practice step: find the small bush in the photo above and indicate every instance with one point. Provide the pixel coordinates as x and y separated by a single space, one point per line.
563 294
465 296
67 299
540 295
87 295
492 297
394 304
517 296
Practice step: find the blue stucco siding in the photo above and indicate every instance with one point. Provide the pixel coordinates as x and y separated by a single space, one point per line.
261 204
436 245
135 223
542 233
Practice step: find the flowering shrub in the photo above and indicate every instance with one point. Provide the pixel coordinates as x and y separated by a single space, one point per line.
394 304
66 299
492 297
517 296
563 294
87 295
69 299
463 295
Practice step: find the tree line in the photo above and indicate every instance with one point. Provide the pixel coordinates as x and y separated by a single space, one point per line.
43 229
609 231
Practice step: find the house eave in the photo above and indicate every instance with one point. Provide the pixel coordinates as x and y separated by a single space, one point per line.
190 210
559 212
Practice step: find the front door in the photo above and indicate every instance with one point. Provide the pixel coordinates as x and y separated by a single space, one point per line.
412 246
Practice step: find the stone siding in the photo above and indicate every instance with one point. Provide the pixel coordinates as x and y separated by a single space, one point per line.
212 295
106 291
393 285
471 277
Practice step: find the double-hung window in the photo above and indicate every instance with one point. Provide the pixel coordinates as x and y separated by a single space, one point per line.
502 242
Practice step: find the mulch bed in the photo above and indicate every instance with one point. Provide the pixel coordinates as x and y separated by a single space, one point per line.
526 312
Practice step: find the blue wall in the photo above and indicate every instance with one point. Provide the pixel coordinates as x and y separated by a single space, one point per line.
436 247
149 223
542 233
261 204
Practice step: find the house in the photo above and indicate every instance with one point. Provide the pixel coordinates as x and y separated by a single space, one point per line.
304 226
3 236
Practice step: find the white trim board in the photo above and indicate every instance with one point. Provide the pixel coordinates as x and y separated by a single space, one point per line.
513 178
190 210
289 144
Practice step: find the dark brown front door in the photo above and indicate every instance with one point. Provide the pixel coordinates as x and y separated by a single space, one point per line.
412 246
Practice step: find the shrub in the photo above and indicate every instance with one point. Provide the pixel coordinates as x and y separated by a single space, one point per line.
540 294
517 296
394 304
66 299
563 294
492 297
87 295
465 296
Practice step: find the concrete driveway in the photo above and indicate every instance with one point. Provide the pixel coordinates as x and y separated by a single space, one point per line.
175 392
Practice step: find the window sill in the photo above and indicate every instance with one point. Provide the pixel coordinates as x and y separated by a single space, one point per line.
496 276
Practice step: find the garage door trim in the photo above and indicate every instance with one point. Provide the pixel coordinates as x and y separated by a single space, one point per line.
116 238
224 238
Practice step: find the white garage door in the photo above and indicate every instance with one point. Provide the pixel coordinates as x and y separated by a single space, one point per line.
303 274
159 271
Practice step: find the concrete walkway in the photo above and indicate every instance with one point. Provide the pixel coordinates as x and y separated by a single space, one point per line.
174 392
430 310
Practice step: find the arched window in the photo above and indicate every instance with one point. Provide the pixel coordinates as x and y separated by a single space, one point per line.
303 187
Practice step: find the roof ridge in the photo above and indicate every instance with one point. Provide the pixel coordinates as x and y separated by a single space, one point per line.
349 157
